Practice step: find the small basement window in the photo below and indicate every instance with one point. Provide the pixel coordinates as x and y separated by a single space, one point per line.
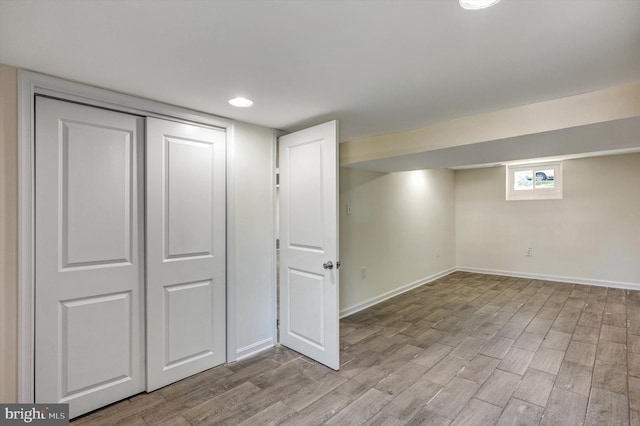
539 181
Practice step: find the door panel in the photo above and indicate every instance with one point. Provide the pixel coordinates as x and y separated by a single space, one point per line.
188 307
185 250
88 271
189 172
96 328
305 182
308 239
306 301
96 185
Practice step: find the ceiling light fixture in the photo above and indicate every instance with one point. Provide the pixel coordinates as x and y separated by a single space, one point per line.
241 102
477 4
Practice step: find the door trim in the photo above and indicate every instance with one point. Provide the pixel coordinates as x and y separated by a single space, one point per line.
31 84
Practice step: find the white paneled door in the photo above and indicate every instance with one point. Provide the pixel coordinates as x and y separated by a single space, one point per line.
309 284
185 250
89 336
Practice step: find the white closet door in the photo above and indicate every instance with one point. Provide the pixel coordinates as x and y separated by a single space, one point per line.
88 250
309 278
185 250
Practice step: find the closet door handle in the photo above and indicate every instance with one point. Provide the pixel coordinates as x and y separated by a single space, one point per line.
328 265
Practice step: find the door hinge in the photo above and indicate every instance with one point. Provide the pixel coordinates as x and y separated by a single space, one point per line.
278 324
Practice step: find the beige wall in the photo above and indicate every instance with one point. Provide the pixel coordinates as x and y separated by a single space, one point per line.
593 233
8 233
398 222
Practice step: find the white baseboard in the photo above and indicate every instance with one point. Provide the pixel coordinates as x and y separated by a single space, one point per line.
254 348
388 295
558 278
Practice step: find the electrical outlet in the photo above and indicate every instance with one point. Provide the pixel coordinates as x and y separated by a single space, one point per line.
437 252
363 272
348 209
529 252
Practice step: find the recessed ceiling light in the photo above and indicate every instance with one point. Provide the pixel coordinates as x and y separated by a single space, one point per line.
477 4
241 102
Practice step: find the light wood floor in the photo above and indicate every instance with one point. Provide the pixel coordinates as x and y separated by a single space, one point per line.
467 349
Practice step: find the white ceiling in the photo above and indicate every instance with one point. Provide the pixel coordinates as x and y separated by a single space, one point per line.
377 66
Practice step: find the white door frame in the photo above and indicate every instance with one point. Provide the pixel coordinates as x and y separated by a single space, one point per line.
31 84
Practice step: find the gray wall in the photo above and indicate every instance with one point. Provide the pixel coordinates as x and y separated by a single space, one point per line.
254 237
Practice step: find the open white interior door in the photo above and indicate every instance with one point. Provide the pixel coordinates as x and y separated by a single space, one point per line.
309 281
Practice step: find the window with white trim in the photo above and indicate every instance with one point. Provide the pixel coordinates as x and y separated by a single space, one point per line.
535 181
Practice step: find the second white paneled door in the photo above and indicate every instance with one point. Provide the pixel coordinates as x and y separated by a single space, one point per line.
185 250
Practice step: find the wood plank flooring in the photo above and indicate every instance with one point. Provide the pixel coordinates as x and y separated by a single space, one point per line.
467 349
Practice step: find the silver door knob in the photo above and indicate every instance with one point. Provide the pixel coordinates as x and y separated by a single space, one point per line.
328 265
